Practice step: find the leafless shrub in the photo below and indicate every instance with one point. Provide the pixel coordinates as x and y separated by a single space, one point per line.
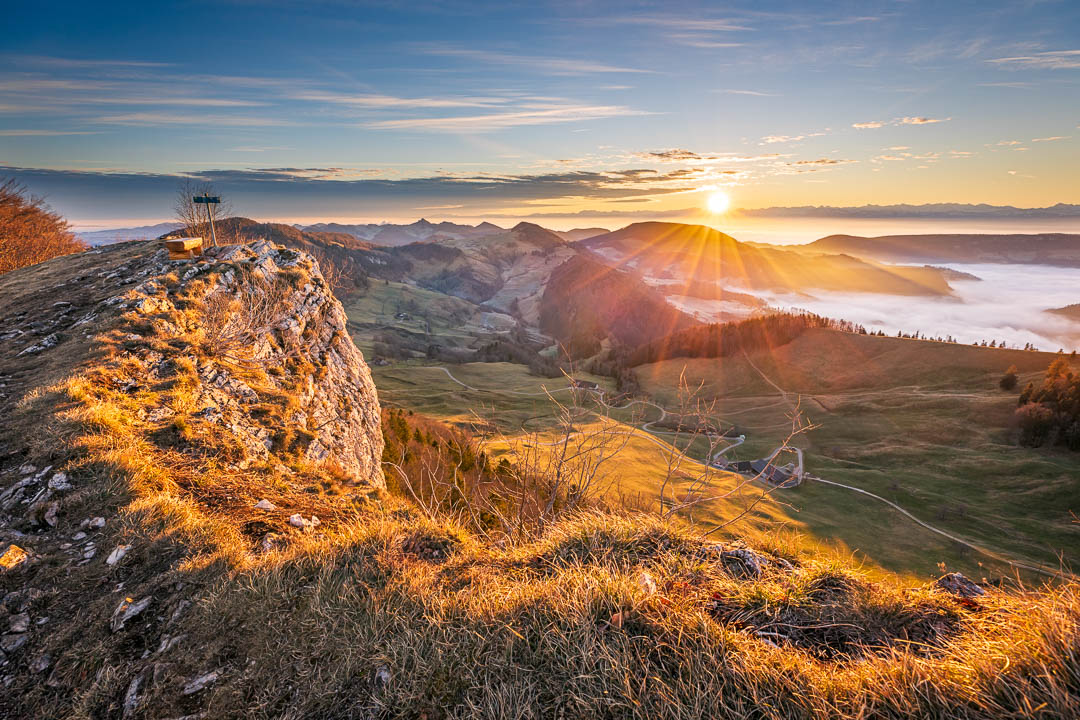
342 273
564 469
237 320
30 231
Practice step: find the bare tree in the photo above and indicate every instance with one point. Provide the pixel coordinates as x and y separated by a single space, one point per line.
561 469
30 231
341 273
697 443
193 215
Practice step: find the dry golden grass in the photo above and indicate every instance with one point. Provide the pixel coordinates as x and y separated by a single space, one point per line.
385 613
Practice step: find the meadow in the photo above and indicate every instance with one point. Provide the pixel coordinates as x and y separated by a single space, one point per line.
921 424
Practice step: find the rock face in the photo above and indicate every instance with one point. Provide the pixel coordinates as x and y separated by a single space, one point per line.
255 327
270 307
959 585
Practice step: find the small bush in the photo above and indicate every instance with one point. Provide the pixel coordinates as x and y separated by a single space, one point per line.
30 232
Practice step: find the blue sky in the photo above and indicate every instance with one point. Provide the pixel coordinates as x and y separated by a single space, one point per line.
369 111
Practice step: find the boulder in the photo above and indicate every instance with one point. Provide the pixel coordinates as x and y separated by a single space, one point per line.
126 610
957 584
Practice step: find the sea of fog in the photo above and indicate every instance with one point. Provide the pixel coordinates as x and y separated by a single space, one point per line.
1009 303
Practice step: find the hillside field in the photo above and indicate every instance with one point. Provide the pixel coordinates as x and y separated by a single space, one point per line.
922 424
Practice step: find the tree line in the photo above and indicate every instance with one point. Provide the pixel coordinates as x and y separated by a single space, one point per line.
1049 414
724 339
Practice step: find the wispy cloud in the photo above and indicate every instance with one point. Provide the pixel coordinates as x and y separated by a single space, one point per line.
913 120
755 93
43 133
686 24
855 20
540 64
1051 139
257 149
679 155
377 101
149 100
773 139
822 161
160 118
702 41
502 120
1018 84
921 120
67 62
1049 60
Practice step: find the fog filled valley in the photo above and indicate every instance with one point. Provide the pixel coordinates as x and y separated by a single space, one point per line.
1010 303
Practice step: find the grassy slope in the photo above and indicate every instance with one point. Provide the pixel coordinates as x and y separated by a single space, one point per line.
923 424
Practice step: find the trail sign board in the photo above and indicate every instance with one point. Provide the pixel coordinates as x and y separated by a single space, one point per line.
208 201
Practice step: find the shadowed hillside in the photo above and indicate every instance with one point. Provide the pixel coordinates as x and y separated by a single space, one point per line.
586 301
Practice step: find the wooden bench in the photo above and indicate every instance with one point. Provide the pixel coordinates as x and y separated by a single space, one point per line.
186 248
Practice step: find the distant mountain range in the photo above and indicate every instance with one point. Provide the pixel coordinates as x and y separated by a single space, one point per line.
1060 249
423 230
933 210
143 232
394 235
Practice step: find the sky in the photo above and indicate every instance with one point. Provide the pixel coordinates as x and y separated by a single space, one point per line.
568 114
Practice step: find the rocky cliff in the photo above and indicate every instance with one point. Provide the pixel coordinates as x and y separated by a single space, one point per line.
257 324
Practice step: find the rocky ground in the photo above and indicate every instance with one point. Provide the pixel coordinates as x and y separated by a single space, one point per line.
236 366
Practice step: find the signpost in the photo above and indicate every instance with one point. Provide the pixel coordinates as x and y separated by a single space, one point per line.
209 201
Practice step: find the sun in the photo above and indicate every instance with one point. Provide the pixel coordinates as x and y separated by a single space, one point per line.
718 202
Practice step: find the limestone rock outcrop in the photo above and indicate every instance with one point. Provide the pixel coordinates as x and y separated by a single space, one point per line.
238 311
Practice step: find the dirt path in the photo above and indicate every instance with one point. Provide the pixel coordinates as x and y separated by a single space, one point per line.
966 543
766 378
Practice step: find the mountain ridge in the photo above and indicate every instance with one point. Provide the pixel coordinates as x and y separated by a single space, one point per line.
1060 249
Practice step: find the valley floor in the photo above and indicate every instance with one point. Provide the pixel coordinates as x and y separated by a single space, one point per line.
917 467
